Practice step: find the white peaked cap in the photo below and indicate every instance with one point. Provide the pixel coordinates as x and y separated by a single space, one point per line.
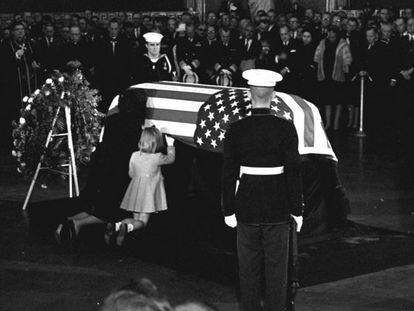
153 37
262 77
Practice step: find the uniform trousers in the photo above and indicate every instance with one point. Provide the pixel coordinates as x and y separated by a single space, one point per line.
263 254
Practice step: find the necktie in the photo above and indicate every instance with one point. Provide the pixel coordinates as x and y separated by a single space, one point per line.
113 42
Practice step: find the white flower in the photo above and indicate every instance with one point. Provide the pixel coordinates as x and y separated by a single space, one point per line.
37 92
43 186
61 79
18 154
30 100
22 120
14 153
25 99
93 149
22 164
47 93
19 170
49 81
28 107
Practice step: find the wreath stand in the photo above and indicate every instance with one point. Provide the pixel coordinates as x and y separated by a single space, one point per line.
71 164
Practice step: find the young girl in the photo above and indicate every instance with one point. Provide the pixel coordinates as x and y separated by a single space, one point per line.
145 193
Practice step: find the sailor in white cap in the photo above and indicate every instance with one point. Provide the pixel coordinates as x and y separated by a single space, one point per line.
262 151
153 66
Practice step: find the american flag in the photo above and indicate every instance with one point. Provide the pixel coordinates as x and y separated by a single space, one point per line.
199 115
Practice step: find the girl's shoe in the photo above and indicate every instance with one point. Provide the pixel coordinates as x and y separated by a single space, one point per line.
109 233
121 235
58 234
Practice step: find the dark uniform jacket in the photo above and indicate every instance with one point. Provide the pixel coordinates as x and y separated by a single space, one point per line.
149 71
262 140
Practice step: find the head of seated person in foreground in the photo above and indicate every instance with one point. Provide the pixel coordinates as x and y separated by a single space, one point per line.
138 295
194 306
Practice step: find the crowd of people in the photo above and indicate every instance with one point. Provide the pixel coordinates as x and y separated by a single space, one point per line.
319 55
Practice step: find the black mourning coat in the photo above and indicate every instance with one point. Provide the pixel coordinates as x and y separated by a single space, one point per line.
108 177
262 140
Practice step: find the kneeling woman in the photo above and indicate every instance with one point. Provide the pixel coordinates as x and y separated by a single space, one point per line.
146 193
108 177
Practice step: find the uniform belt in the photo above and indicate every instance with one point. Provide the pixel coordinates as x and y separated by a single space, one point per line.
249 170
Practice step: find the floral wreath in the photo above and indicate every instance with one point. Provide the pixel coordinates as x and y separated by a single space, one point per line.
30 132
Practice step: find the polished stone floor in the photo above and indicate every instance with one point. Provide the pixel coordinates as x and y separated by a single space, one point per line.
36 275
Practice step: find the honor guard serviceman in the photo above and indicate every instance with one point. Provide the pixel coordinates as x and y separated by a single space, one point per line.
262 150
153 66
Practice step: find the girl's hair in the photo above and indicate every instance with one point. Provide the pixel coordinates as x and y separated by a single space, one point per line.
151 140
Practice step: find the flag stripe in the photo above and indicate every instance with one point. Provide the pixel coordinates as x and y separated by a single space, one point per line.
173 128
186 140
204 86
177 88
171 115
309 122
176 94
298 116
174 104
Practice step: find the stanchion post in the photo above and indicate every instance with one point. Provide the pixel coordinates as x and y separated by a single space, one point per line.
360 132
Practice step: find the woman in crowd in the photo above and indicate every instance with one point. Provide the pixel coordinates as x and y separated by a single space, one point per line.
307 70
108 178
333 57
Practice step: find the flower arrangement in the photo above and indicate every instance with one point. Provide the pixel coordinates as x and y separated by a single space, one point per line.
30 132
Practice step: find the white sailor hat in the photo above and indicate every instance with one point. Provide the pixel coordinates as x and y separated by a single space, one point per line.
153 37
262 77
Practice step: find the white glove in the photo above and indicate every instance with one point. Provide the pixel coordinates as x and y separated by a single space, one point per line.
187 69
231 221
299 222
170 140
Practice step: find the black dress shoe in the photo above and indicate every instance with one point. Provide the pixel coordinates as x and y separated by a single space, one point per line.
109 233
121 234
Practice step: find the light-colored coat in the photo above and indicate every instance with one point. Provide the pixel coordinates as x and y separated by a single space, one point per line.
343 59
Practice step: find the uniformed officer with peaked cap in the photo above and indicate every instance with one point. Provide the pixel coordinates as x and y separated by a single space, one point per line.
262 150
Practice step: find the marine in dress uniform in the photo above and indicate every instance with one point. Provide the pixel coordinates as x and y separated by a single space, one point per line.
153 66
262 150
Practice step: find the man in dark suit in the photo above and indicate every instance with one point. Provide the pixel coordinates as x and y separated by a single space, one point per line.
48 52
77 53
376 65
114 65
251 48
287 61
263 151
